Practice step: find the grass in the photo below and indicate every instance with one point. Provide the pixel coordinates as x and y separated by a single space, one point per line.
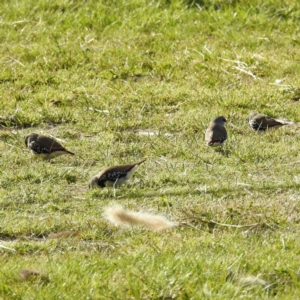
95 74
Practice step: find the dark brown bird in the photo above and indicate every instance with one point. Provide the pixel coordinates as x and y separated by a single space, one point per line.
44 146
216 133
114 176
261 122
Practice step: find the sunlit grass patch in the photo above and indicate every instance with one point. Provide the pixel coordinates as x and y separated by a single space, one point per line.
118 82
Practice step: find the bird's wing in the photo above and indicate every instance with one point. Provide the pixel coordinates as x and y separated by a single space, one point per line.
215 133
51 144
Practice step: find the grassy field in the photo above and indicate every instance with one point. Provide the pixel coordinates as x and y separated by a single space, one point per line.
98 75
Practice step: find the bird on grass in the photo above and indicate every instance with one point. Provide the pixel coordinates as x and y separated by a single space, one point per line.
44 146
114 176
216 133
261 122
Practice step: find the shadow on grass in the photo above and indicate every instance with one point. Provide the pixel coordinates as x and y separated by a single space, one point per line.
209 4
193 191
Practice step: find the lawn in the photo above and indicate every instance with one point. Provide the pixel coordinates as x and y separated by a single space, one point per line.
119 81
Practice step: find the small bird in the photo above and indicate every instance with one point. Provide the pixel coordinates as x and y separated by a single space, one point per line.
114 176
44 146
216 133
258 121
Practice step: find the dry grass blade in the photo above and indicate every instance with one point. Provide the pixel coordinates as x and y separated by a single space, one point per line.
212 223
63 234
7 248
186 224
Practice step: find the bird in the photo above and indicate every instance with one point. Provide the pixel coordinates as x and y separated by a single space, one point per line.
216 133
44 146
114 176
261 122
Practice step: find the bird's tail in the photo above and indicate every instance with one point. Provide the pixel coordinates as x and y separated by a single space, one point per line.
139 163
69 152
120 217
284 121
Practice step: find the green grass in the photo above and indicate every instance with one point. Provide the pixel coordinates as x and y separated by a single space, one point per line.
94 74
